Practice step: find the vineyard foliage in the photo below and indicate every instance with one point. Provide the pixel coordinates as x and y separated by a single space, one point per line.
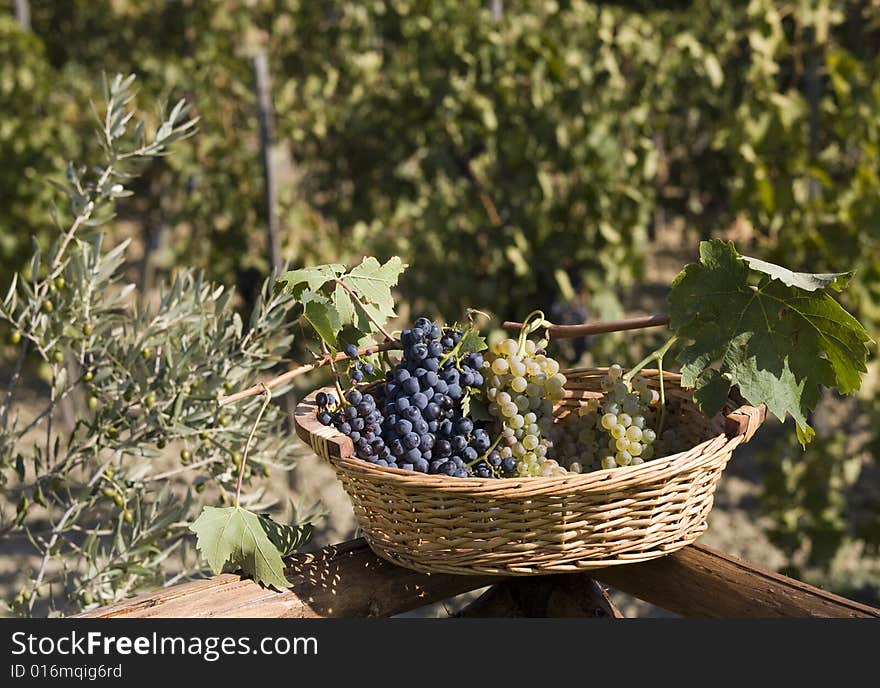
518 162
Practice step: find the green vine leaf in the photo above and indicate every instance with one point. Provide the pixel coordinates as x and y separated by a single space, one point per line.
808 281
471 342
321 314
778 341
254 543
294 282
334 299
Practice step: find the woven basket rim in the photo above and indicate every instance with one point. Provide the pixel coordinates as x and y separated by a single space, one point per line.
742 421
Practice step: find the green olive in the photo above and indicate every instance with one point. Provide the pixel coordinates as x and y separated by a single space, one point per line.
89 376
93 403
150 400
87 598
161 443
15 337
112 431
58 357
48 306
108 492
185 455
127 517
266 472
200 487
109 472
118 500
60 283
87 329
146 353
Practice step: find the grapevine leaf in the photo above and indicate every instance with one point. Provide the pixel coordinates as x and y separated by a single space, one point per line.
807 281
471 342
712 389
778 342
372 283
478 410
344 306
322 315
296 281
241 539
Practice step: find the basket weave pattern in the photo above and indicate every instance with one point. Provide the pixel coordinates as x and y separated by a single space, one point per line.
531 526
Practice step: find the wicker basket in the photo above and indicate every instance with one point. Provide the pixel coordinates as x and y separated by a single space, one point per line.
532 526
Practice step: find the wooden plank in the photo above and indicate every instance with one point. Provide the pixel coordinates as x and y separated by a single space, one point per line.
698 581
345 580
348 580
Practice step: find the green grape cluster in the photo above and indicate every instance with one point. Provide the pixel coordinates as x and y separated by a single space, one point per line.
617 430
522 386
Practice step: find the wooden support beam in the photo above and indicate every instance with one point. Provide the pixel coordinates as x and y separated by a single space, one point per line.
348 580
698 581
544 597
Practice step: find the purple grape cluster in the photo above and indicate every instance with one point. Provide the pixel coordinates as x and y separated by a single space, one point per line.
358 368
413 420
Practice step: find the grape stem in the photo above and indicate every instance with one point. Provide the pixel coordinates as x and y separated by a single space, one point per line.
655 356
453 352
342 400
650 358
247 445
485 456
529 325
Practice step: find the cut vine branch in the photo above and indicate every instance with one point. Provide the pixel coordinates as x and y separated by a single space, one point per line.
294 373
587 329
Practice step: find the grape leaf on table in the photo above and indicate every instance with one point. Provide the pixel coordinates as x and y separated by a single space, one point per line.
242 539
780 338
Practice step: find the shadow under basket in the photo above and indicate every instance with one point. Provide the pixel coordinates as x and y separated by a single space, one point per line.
534 526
